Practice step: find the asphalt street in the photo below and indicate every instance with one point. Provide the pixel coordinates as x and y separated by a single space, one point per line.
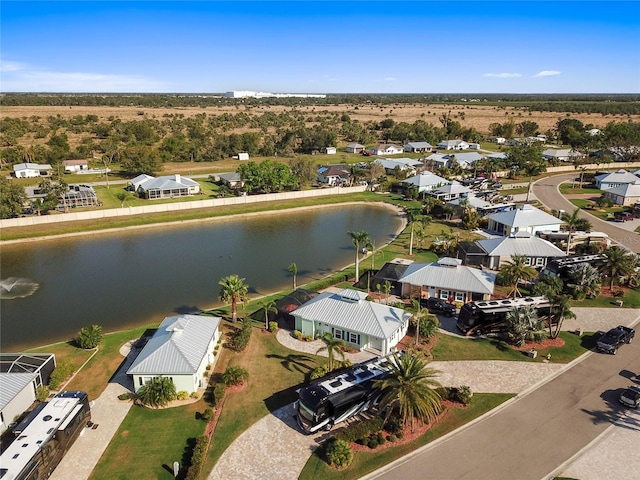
532 436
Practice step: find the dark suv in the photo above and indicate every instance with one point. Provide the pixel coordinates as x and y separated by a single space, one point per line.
440 306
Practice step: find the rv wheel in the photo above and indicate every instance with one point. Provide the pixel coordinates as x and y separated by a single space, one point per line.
329 426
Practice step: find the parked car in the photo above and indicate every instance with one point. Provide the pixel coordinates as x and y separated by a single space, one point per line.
623 217
610 341
440 306
630 397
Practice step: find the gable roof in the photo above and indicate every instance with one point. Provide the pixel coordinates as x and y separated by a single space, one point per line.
448 273
334 170
12 385
167 183
230 177
453 188
426 179
525 216
626 189
468 157
355 145
619 176
30 166
452 143
418 145
177 347
348 309
521 244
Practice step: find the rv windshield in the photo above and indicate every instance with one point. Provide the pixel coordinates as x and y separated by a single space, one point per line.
306 412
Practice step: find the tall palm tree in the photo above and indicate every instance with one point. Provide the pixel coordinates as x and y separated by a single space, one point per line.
411 388
515 270
428 203
268 306
560 309
359 239
293 268
417 317
617 264
584 280
332 346
413 215
234 290
572 221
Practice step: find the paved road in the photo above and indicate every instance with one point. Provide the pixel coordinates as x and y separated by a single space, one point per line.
532 436
546 190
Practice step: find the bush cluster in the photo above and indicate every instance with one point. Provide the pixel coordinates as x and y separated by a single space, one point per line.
218 393
182 395
360 430
273 327
63 371
123 396
461 394
198 458
235 375
297 334
207 415
241 339
42 393
89 337
339 453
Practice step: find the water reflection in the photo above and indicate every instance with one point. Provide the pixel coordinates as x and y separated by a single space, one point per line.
137 277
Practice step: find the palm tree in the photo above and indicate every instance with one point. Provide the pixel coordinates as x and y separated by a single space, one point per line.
413 215
359 239
515 270
584 280
387 290
525 325
417 317
332 346
560 309
156 393
428 203
233 289
572 222
293 268
268 306
411 388
617 264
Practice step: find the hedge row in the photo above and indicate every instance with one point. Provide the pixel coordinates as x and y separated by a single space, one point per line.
198 458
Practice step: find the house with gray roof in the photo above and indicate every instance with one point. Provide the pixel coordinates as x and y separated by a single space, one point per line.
447 279
31 170
334 174
466 160
426 181
436 160
610 180
498 250
453 145
418 147
626 194
231 179
524 218
450 191
561 155
386 149
480 205
164 187
180 349
355 148
349 316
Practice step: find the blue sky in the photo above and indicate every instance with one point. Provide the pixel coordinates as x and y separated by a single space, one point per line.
320 47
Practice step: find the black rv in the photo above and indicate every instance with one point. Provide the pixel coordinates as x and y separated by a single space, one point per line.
491 316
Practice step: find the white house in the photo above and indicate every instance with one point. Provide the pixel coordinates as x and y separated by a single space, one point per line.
562 155
407 165
453 145
447 279
607 181
498 140
418 147
355 148
436 160
350 317
537 252
426 181
74 166
465 160
334 175
450 191
625 194
386 149
180 349
31 170
330 150
525 218
164 187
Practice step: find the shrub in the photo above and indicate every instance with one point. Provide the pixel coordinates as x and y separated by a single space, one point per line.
360 429
392 438
156 393
182 395
319 372
235 375
193 395
273 327
242 337
297 334
372 441
42 393
89 337
339 453
618 293
198 458
308 338
60 374
394 424
218 394
207 415
123 396
461 394
381 438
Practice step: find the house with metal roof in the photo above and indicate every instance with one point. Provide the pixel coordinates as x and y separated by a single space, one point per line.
426 181
436 160
561 155
466 160
418 147
20 375
499 250
447 279
334 174
386 149
524 218
31 170
355 148
180 349
407 165
231 179
349 316
164 187
453 145
607 181
450 191
480 205
627 194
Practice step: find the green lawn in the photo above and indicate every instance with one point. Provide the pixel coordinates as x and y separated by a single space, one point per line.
365 462
567 188
149 441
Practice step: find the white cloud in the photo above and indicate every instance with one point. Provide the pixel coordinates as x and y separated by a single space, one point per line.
389 79
502 75
21 77
546 73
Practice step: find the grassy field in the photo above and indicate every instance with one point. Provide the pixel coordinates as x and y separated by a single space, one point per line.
365 462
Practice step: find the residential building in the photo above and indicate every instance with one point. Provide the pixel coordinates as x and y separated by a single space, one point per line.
80 196
407 165
447 279
525 218
390 272
561 155
436 160
450 191
386 149
626 194
426 181
334 175
607 181
355 148
75 166
330 150
180 349
230 179
164 187
31 170
465 160
416 147
498 140
350 317
453 145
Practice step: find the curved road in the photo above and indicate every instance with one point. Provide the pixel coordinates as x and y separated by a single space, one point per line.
531 437
546 190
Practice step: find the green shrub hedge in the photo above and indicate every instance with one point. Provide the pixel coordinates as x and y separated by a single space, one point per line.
198 458
360 430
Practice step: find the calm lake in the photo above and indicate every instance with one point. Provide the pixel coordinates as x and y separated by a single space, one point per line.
52 288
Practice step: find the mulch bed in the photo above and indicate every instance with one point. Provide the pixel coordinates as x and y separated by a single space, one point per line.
549 342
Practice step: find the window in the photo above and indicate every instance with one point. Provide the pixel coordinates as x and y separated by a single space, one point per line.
444 294
460 296
337 333
539 261
354 338
527 261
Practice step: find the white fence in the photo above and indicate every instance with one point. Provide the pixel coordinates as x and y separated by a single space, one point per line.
173 207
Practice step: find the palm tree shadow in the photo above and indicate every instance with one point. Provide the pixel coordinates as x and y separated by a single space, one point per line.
295 362
614 413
